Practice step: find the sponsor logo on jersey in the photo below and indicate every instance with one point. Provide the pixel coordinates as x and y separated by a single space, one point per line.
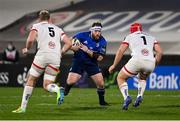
145 52
51 45
97 44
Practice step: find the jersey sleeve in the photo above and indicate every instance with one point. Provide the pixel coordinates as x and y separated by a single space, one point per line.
102 50
34 28
126 40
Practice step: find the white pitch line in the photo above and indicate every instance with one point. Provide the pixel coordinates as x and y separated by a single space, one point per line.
46 104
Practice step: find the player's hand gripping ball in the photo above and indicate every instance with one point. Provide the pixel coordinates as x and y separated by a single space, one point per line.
76 42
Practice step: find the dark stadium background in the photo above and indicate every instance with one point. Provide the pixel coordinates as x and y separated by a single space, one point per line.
17 29
160 18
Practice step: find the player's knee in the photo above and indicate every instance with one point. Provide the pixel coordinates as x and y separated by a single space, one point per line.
31 81
46 83
123 74
72 78
121 77
71 81
100 83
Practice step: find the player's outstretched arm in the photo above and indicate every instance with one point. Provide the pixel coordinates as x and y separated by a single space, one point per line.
159 52
119 55
29 42
67 44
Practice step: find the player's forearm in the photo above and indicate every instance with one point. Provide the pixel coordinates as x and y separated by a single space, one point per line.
90 53
30 39
118 57
158 57
94 55
65 48
159 52
29 44
119 54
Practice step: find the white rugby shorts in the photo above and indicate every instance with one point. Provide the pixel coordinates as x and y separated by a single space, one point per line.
48 63
135 65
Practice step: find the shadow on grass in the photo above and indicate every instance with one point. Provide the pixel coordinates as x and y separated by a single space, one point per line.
168 106
91 108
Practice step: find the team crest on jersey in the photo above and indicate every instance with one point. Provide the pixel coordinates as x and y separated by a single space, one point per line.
97 44
145 52
51 45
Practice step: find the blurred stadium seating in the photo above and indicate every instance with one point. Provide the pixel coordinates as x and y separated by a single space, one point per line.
159 18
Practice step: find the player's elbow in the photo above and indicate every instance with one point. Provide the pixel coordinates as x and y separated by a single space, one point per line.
158 49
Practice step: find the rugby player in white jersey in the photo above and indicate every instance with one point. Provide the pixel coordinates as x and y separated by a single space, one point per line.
142 62
47 59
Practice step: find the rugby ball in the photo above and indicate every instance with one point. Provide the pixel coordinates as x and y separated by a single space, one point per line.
76 42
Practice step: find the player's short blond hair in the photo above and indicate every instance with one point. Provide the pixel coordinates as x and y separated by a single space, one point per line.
44 15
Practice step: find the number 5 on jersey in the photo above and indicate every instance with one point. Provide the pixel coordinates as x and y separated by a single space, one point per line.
51 31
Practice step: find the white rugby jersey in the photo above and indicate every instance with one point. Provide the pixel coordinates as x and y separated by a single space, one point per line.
141 45
48 38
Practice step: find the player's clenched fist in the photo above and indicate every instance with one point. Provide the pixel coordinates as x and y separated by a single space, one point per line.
25 51
111 68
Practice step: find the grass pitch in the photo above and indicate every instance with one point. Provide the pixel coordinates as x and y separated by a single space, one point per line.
82 104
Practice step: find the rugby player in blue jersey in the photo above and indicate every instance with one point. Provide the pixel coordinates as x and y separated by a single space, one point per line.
91 49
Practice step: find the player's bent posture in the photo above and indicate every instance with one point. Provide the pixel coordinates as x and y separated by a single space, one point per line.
47 59
86 57
142 62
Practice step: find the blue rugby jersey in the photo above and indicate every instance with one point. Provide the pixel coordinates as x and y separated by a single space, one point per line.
98 46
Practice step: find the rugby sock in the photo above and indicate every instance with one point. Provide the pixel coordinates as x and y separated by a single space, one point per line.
124 90
53 88
67 88
101 92
26 95
141 87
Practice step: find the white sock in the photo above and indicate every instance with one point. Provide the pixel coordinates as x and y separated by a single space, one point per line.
26 95
124 90
141 87
53 88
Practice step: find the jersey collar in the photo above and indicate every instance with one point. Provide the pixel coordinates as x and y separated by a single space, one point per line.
137 32
44 22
